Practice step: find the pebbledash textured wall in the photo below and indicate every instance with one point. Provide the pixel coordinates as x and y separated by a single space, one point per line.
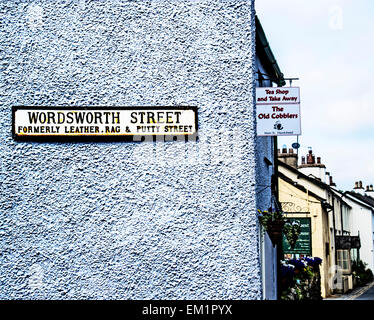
151 220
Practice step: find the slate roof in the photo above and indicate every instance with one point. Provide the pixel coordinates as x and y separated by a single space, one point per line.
366 199
315 181
299 186
304 176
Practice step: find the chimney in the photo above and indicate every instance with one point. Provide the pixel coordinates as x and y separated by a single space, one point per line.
332 184
289 157
369 191
327 176
310 158
311 168
358 188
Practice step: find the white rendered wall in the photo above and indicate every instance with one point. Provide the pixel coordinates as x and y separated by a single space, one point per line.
362 221
166 220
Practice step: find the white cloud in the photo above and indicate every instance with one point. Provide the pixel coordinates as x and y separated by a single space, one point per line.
347 114
335 67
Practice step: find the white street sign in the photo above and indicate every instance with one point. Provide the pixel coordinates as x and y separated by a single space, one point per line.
103 122
278 111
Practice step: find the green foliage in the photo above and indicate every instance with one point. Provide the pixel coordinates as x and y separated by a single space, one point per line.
292 232
363 274
359 266
269 218
366 276
369 275
301 279
308 273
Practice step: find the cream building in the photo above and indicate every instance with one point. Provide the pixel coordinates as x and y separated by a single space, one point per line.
306 191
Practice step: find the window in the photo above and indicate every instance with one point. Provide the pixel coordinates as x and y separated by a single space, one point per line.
344 260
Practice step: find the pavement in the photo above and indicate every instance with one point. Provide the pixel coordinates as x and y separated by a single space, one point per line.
362 293
367 295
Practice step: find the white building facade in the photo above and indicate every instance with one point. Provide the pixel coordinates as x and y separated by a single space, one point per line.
130 220
362 223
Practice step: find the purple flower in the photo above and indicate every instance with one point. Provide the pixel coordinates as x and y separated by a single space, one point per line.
299 264
313 262
287 271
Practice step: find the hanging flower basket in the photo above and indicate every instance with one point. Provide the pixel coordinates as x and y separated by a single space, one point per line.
292 232
274 231
273 222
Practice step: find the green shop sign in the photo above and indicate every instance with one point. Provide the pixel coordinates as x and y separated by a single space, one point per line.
304 242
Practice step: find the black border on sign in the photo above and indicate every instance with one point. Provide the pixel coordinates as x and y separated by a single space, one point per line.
103 138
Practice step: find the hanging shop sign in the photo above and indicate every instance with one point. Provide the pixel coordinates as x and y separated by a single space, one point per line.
281 95
304 242
103 122
278 111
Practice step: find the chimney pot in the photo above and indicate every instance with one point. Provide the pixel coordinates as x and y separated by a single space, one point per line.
367 188
371 187
356 185
290 150
360 184
284 150
310 158
332 183
319 160
302 160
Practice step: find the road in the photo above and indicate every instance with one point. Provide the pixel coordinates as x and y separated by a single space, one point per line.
368 295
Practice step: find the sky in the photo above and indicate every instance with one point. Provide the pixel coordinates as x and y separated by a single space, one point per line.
329 46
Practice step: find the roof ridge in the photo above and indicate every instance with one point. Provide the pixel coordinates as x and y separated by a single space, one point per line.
364 198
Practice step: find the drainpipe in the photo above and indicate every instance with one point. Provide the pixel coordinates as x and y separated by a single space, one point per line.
358 249
333 219
275 190
341 216
330 208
